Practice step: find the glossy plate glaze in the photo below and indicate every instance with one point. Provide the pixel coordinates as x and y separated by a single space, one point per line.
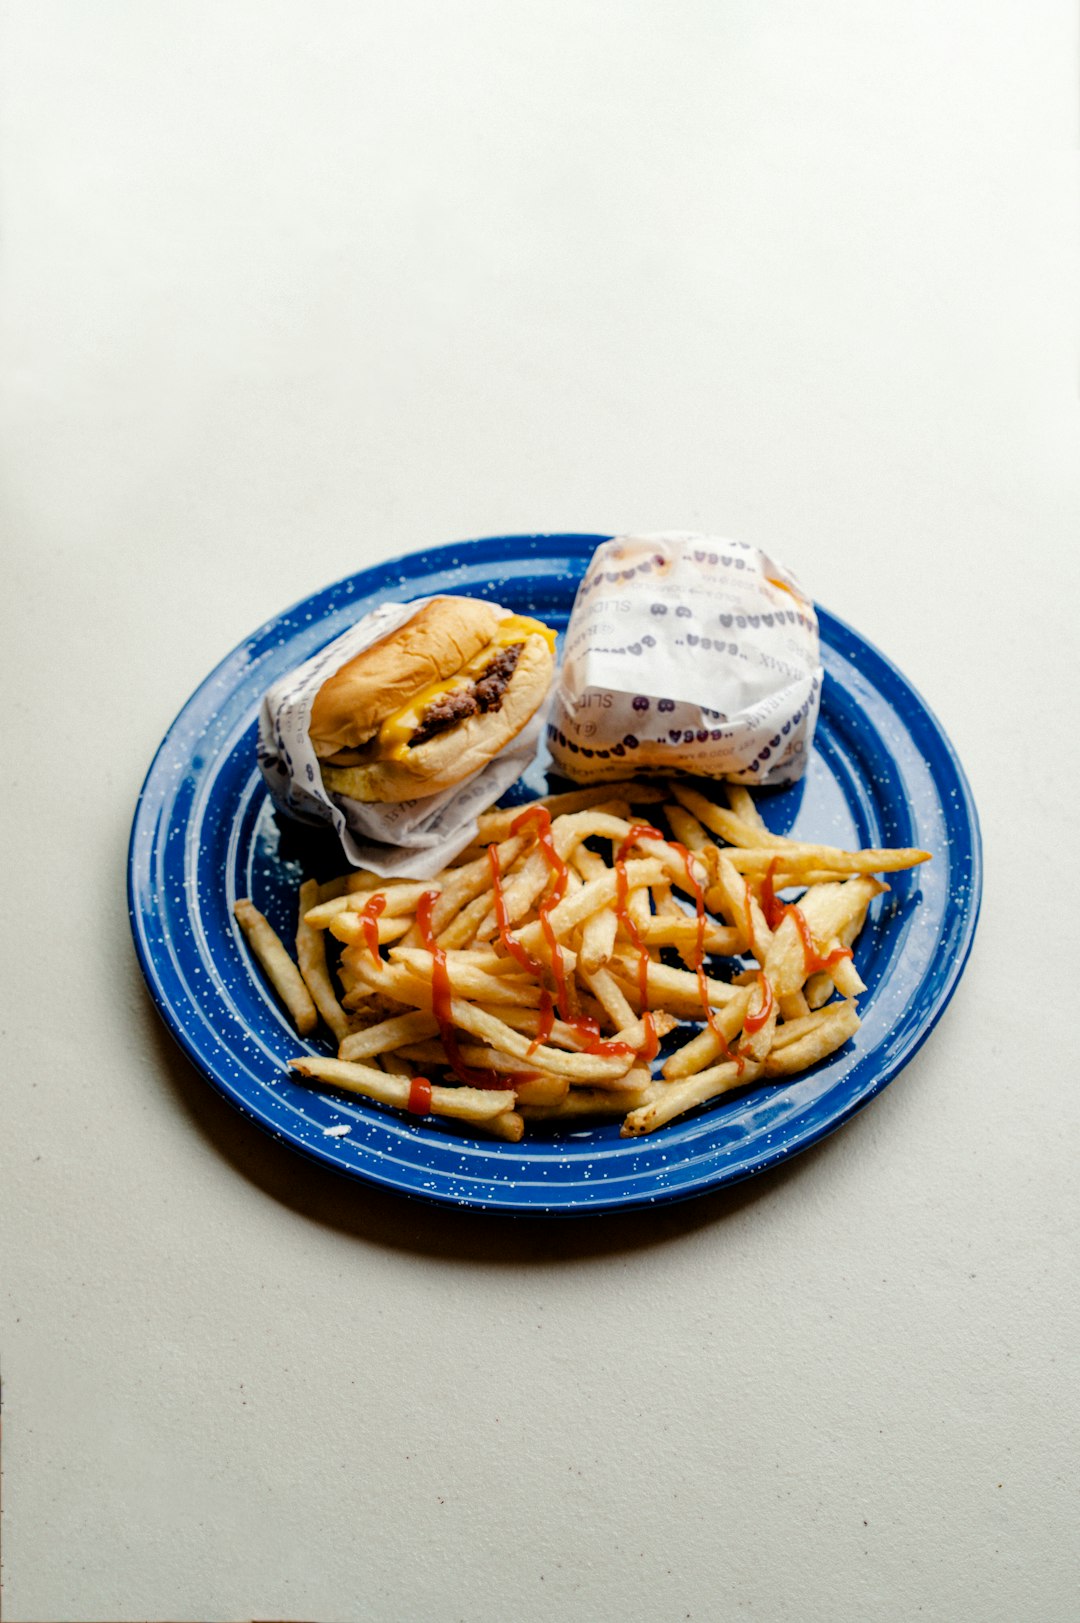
882 773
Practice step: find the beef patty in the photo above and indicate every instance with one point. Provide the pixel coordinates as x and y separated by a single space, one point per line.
485 694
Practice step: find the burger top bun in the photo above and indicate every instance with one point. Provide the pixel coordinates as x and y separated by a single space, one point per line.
444 636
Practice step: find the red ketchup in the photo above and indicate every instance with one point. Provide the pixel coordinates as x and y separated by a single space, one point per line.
812 959
441 1001
754 1022
369 918
748 903
585 1027
699 952
419 1096
776 911
640 831
521 954
560 876
772 908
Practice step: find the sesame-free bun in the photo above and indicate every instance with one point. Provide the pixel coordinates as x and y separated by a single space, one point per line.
440 638
450 757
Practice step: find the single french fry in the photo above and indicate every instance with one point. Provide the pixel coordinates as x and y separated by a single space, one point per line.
796 860
509 1125
539 1089
394 1065
732 894
605 989
581 1102
763 1006
679 1097
490 961
814 1045
680 930
579 1067
589 864
349 927
790 1031
742 804
598 938
311 958
687 829
281 972
706 1048
467 1104
819 989
462 927
388 1034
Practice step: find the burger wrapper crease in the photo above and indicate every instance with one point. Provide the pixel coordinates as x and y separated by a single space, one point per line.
411 840
687 653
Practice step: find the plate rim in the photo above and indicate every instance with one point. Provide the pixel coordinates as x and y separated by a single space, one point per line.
502 1202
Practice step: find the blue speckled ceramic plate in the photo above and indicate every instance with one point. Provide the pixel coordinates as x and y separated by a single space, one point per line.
882 773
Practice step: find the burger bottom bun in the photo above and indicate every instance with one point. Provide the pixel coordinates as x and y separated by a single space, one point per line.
451 757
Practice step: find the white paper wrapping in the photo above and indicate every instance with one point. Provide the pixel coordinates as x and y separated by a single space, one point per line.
410 840
687 653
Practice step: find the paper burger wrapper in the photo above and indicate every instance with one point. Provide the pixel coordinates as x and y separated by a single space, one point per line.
409 840
691 654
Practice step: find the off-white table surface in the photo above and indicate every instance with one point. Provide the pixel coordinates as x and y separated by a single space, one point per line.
289 289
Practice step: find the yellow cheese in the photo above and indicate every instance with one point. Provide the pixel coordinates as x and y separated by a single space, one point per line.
396 731
517 626
392 739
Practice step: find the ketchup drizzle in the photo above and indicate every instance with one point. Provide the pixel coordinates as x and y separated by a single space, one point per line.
369 918
812 959
547 1021
560 878
513 946
748 904
585 1026
419 1096
699 950
772 908
639 831
754 1022
441 999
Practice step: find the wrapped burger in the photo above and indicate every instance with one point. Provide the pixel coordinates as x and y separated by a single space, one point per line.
402 730
691 654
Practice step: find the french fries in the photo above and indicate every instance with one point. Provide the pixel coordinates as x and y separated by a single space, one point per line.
281 972
534 980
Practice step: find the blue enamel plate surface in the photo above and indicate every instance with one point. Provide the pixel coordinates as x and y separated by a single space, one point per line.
882 773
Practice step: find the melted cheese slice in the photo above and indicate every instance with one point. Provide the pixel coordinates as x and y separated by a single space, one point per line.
392 739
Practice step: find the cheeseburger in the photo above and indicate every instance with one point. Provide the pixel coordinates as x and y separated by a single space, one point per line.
433 702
